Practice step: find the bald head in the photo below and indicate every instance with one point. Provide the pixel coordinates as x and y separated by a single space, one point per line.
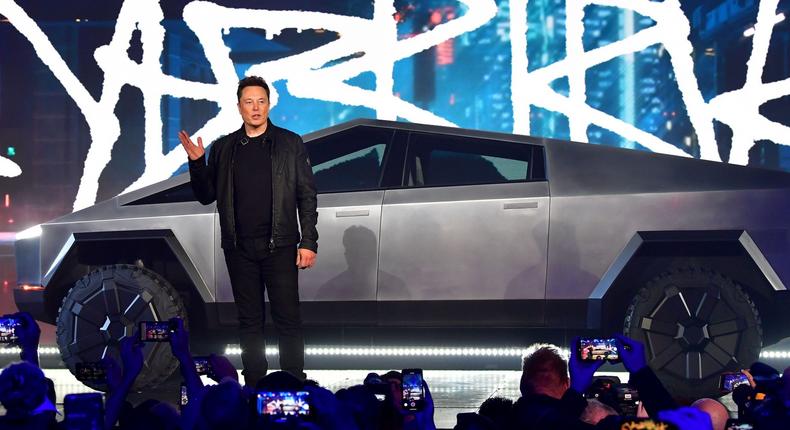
717 412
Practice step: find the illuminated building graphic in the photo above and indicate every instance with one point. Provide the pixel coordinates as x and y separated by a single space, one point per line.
96 100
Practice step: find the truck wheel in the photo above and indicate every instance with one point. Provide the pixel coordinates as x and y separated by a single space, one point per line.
106 306
695 324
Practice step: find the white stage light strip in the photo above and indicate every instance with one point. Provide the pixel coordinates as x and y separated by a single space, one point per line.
42 350
404 351
775 354
431 351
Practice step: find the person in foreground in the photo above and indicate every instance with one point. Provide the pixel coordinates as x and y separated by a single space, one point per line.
261 178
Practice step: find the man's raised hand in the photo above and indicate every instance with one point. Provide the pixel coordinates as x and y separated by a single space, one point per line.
194 151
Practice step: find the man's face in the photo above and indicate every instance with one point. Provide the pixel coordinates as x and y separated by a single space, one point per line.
254 106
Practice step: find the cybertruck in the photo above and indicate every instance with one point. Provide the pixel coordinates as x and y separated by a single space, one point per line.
424 226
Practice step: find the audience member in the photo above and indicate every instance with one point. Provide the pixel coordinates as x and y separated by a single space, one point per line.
224 407
362 404
718 412
544 372
24 395
550 400
652 393
686 418
551 389
596 411
131 349
148 415
29 334
500 411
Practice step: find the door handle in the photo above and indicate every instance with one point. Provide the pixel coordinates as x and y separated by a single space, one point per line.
521 205
345 214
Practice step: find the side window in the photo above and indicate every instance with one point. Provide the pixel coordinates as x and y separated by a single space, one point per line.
177 194
437 160
351 160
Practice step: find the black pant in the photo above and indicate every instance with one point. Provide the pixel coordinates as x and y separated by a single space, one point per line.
253 268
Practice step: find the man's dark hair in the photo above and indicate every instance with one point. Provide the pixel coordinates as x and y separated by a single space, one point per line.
543 367
252 81
499 410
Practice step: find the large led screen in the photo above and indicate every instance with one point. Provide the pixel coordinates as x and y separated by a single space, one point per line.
92 94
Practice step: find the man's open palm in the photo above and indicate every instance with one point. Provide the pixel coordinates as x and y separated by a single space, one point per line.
194 151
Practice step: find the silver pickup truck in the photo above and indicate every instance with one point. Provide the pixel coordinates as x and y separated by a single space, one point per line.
429 227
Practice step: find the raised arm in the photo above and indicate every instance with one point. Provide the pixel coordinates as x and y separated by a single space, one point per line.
202 175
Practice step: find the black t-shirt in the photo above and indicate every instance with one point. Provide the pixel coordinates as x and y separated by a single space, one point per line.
252 187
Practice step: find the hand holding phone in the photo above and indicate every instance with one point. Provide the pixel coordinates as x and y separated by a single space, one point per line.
413 390
184 400
729 380
284 405
203 366
156 331
632 353
595 349
8 328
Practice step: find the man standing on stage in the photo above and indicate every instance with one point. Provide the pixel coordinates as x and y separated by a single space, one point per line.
260 176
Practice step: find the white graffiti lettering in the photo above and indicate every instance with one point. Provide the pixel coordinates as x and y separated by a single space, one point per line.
307 76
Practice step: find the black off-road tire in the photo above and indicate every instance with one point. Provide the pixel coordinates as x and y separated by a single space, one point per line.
107 305
695 324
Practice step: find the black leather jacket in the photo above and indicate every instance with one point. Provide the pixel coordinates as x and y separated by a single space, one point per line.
293 187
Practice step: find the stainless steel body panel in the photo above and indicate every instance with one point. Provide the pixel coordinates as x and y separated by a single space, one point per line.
517 241
589 232
347 261
478 242
191 223
348 254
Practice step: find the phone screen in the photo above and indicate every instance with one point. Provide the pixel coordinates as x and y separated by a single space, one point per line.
728 381
284 404
202 366
627 399
594 348
83 411
155 331
413 392
8 327
184 400
91 371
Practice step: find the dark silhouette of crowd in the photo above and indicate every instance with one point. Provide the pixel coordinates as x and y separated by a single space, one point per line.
555 394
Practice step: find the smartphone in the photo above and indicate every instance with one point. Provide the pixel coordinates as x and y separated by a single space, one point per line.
156 331
413 390
8 327
184 399
627 399
202 365
646 424
83 411
283 405
738 424
729 380
91 371
598 348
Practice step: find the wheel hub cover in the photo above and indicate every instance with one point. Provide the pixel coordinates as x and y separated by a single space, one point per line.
114 329
693 334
